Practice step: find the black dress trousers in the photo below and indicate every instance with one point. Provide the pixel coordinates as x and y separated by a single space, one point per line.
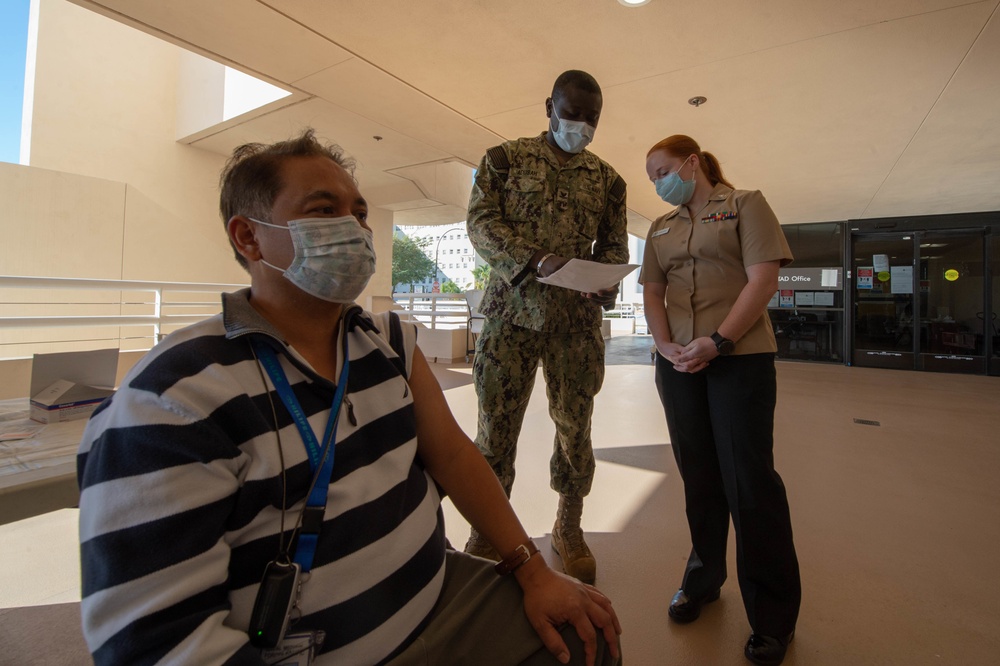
721 423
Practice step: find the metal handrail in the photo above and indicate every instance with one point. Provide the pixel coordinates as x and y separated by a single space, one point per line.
157 319
98 320
30 282
453 313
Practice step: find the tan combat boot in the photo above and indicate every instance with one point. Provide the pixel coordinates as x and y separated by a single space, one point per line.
480 547
567 540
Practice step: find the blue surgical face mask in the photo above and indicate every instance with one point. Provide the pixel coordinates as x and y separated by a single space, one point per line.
673 190
334 257
571 135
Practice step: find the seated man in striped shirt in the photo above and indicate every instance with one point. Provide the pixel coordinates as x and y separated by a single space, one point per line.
265 486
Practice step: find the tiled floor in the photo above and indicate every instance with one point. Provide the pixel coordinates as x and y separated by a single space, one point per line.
897 526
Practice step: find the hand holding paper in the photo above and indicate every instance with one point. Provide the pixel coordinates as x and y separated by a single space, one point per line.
588 276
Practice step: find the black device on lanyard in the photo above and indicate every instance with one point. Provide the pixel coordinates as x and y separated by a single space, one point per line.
273 606
280 585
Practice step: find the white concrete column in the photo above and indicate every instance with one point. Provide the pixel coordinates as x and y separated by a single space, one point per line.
380 220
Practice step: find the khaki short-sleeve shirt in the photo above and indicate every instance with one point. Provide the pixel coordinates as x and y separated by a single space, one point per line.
703 263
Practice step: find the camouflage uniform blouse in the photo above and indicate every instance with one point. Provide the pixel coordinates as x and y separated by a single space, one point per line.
576 211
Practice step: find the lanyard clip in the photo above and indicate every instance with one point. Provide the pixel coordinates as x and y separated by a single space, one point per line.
312 519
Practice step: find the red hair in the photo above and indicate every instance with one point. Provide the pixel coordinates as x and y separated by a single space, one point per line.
680 145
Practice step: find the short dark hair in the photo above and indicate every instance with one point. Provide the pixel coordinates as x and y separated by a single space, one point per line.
251 178
575 78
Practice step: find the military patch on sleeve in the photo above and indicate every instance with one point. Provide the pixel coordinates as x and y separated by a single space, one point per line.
617 191
498 158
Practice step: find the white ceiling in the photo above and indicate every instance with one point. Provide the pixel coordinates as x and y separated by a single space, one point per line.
836 110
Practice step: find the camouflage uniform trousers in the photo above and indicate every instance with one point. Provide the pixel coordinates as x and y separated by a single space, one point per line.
504 371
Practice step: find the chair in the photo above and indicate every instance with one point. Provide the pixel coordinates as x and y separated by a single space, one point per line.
474 325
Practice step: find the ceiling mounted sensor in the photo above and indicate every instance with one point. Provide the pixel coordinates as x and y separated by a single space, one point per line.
633 3
697 101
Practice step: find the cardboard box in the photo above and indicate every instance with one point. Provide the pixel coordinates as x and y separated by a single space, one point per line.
70 385
66 401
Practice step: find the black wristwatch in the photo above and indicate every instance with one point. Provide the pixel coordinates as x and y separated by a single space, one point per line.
725 346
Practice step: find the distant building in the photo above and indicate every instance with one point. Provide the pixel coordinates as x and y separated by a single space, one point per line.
451 250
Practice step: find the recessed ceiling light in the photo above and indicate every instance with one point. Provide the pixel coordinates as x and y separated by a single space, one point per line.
633 3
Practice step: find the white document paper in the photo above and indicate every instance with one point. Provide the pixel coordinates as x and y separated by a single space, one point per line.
22 429
588 276
824 298
881 262
902 279
804 298
830 277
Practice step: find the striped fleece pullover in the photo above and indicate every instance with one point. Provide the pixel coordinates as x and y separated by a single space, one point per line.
181 496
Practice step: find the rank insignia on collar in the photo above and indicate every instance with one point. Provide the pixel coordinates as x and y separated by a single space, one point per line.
717 217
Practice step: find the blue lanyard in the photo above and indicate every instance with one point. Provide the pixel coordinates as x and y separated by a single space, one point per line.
312 516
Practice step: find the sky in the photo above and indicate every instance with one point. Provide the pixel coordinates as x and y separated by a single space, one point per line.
13 45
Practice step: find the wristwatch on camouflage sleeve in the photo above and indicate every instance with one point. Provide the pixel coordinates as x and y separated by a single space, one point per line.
541 262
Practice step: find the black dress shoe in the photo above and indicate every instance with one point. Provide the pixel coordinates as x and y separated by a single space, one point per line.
684 609
767 650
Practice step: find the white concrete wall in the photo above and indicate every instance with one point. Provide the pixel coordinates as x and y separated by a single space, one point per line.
60 224
380 220
110 191
110 102
105 105
201 94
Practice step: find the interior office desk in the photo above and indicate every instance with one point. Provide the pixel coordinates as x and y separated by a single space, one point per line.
38 474
794 333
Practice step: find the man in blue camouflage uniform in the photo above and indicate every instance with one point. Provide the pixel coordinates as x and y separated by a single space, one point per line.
537 203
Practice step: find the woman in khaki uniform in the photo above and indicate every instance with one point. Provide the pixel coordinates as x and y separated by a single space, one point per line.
709 270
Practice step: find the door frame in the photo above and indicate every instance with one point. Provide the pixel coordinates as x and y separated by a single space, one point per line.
986 223
892 360
955 362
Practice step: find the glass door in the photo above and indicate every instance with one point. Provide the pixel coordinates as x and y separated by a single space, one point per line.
920 301
882 282
954 322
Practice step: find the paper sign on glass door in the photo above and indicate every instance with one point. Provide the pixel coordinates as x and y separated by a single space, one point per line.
902 279
865 275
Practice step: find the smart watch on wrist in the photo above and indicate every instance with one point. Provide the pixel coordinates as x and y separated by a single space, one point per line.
724 346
